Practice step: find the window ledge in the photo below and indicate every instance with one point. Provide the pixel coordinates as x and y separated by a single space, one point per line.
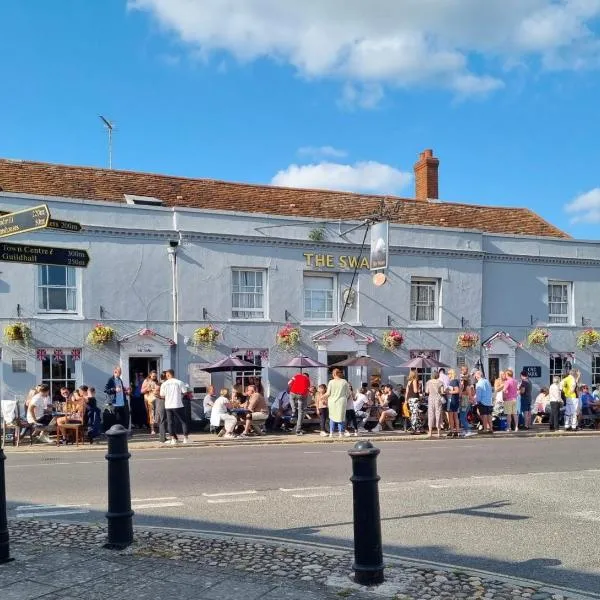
47 316
423 325
249 320
563 325
326 323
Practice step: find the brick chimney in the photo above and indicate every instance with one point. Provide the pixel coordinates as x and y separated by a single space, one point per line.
426 176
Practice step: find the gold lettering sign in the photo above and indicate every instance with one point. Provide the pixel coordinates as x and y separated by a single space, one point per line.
330 261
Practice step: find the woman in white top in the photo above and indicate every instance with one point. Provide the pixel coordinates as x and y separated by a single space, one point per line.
220 415
555 403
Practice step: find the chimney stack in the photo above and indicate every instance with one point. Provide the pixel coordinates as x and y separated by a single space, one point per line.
426 176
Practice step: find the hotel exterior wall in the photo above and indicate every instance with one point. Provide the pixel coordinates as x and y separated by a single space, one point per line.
129 276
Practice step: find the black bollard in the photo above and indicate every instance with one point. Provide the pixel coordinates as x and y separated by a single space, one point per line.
4 542
119 515
368 552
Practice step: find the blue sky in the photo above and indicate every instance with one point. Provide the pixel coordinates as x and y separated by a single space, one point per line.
323 93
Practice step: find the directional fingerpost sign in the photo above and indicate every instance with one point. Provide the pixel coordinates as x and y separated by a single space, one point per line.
22 221
43 255
64 225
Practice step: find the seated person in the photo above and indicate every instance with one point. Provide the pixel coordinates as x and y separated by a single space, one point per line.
257 411
39 413
93 418
587 400
281 409
209 401
390 408
361 408
542 405
220 414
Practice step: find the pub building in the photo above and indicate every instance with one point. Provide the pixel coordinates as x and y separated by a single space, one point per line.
183 272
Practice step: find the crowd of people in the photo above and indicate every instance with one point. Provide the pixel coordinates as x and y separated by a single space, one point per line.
457 402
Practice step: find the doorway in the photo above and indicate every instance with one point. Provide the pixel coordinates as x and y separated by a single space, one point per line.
336 357
143 365
493 369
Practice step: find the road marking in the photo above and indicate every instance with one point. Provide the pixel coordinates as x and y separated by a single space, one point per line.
305 489
153 499
243 493
317 495
52 513
313 452
158 505
231 500
28 507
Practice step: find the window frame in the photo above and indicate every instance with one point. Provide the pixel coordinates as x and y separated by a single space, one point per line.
39 290
67 353
595 368
334 298
265 296
437 300
569 301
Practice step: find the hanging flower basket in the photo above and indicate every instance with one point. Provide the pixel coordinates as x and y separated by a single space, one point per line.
587 338
467 340
392 339
205 336
538 337
288 337
100 335
17 332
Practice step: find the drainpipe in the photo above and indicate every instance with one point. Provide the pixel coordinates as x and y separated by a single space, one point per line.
172 252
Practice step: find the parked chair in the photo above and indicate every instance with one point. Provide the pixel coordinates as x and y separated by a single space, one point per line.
11 421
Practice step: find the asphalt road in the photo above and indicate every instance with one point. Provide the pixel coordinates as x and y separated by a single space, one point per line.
522 507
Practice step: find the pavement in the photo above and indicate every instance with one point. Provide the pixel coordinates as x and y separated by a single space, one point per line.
522 507
69 561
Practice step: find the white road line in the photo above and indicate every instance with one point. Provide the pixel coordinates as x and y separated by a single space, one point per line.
154 499
317 495
231 500
313 452
52 513
305 489
157 505
28 507
242 493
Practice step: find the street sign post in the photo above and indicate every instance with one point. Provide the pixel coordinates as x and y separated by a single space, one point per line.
43 255
22 221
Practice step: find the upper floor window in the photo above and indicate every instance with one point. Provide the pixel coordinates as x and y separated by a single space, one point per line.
424 300
559 294
319 292
57 289
248 294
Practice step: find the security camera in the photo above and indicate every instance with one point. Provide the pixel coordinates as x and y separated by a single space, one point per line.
173 243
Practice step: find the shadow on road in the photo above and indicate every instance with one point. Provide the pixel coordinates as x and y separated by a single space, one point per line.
544 569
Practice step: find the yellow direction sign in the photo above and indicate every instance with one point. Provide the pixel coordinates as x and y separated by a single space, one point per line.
23 221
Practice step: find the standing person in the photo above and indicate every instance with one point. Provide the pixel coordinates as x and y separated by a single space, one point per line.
258 411
160 415
150 388
299 385
453 391
467 395
412 399
209 401
322 410
350 413
361 408
435 404
569 388
118 396
336 394
510 400
525 391
485 403
139 416
172 391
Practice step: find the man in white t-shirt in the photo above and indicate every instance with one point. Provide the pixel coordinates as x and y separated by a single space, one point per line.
172 391
361 405
39 412
209 401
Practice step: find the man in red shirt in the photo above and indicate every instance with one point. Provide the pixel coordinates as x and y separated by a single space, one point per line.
299 385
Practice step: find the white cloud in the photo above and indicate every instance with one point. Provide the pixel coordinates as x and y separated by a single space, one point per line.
390 42
322 151
585 208
367 95
368 176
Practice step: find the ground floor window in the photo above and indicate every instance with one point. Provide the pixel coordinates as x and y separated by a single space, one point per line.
560 364
596 369
424 374
243 379
58 369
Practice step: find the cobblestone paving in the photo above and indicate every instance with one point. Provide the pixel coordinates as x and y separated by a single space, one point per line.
218 567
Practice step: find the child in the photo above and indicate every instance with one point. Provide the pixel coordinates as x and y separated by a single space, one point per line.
322 410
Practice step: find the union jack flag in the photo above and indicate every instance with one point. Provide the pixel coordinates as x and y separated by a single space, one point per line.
76 353
40 354
58 354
